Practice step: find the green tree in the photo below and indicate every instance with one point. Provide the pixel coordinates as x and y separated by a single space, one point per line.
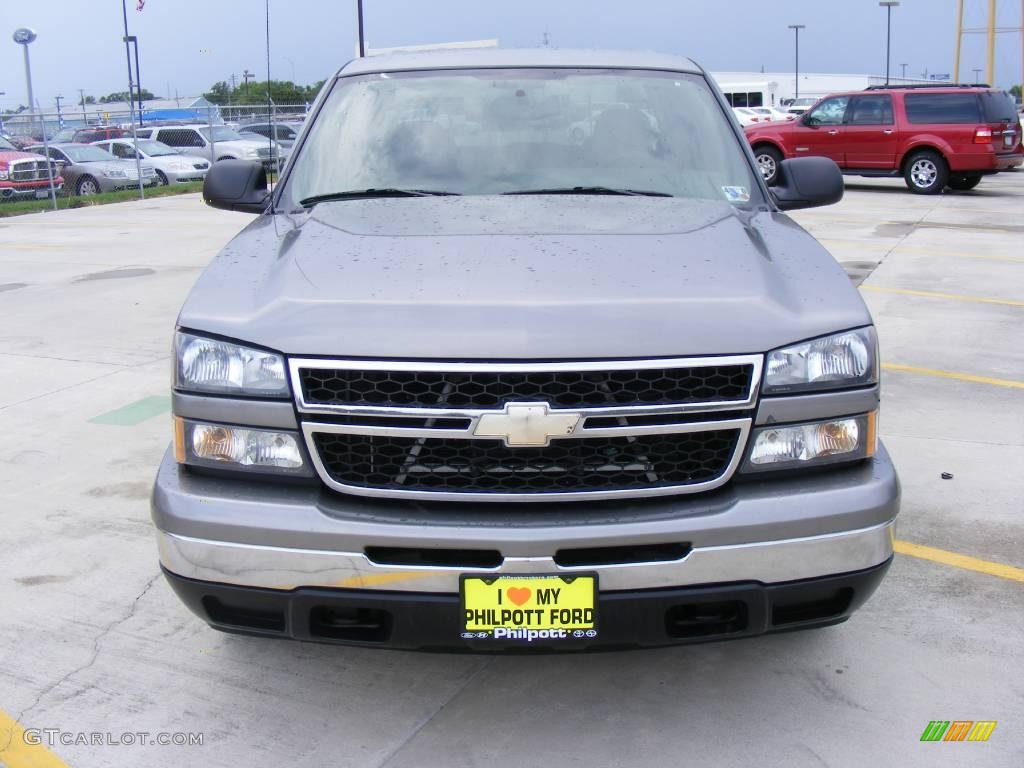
219 93
123 96
281 92
1015 92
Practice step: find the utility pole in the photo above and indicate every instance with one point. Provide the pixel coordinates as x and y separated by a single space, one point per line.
991 74
362 39
796 67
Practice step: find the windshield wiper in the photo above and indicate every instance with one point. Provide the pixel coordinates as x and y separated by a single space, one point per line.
354 194
589 191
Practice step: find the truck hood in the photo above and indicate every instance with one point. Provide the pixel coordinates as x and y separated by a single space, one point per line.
523 277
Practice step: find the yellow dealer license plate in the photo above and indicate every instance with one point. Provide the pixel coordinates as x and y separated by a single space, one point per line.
527 609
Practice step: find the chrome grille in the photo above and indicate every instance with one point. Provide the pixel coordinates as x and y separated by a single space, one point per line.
624 428
31 170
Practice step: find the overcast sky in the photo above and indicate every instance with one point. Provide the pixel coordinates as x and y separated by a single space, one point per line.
189 44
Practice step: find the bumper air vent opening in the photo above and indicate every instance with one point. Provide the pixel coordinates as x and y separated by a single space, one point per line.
706 619
243 616
829 605
437 558
638 553
361 625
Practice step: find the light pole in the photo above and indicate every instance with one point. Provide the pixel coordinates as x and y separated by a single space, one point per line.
977 75
24 36
903 74
888 5
81 95
131 101
60 118
134 40
796 68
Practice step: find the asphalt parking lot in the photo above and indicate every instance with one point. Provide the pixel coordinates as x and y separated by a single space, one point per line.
93 640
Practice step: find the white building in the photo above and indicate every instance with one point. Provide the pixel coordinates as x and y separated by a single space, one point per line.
777 86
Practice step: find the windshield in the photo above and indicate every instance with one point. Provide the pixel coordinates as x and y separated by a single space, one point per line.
86 154
155 148
5 144
220 133
487 132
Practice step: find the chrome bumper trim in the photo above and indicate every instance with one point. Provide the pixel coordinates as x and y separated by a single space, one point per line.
766 562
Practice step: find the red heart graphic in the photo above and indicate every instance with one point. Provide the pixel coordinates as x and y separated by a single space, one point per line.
519 595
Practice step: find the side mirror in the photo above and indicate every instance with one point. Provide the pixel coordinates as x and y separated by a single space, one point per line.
236 185
807 182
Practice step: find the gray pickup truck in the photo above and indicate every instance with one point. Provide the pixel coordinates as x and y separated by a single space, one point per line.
521 353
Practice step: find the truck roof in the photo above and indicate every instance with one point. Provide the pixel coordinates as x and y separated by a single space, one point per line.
469 58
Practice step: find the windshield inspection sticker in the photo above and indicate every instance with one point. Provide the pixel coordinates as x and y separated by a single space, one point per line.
736 194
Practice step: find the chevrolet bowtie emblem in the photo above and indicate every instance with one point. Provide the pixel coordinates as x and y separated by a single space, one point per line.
527 424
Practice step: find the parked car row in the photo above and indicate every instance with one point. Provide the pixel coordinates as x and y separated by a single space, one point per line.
754 115
933 136
88 161
90 170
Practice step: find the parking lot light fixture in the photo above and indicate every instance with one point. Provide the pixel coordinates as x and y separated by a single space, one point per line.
796 66
888 5
24 36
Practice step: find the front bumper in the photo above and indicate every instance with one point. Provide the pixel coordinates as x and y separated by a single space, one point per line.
627 619
245 544
23 190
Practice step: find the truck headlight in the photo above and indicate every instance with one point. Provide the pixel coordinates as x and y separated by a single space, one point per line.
821 442
223 446
220 367
3 174
848 359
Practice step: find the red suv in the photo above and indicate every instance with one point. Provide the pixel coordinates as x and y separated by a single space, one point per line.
932 136
98 133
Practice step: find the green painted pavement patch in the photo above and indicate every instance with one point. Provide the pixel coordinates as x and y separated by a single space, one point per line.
134 413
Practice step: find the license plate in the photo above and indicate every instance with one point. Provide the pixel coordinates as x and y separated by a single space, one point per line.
42 193
525 609
1009 140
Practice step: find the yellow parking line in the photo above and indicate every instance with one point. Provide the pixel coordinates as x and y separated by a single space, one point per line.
947 296
862 245
953 375
959 561
15 753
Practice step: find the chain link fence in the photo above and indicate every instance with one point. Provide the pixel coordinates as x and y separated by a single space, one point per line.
30 125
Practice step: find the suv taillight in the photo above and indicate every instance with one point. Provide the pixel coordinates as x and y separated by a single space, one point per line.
983 135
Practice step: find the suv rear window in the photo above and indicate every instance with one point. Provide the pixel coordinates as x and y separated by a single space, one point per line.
942 108
999 107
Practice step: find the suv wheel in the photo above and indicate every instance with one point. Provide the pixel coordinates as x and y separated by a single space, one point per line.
963 183
87 186
926 173
161 179
768 159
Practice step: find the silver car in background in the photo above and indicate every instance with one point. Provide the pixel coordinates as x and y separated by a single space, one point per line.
89 170
285 132
172 167
222 143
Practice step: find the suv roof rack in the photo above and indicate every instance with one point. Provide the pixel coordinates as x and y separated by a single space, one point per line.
926 85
